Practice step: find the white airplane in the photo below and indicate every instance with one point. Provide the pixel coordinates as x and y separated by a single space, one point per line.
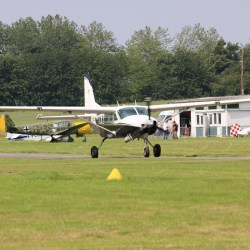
244 132
128 122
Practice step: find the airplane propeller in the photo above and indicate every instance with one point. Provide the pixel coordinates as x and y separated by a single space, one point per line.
148 102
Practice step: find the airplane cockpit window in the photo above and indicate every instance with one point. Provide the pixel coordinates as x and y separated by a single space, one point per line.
142 111
124 112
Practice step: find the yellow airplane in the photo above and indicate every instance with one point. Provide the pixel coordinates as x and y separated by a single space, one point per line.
59 131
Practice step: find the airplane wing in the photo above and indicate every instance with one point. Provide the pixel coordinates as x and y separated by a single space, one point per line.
69 130
111 110
96 110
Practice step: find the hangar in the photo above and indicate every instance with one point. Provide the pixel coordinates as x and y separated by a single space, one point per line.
212 120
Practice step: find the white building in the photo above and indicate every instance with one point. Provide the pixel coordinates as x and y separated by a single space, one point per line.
213 120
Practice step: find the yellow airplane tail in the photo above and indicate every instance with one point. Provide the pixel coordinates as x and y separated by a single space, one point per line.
6 124
2 124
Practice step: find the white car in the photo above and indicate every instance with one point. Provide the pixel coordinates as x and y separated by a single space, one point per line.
244 132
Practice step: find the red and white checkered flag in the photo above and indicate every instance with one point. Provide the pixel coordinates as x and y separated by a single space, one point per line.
234 129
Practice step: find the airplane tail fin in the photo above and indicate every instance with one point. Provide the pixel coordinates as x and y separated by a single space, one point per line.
89 97
6 124
2 124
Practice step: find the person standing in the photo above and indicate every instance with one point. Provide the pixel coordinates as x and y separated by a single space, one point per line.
166 131
186 131
174 130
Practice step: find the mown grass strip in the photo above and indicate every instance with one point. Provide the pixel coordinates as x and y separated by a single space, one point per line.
178 203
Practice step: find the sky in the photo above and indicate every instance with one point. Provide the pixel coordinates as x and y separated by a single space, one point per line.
123 17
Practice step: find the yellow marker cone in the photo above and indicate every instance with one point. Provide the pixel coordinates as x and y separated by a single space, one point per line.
114 175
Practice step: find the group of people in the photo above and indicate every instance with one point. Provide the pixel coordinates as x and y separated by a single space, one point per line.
170 131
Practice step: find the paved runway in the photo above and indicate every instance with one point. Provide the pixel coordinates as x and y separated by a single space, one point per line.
62 156
78 156
41 155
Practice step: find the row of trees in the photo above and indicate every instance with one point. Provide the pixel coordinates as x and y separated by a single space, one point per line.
42 63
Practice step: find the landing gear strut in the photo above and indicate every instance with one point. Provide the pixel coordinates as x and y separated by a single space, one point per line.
146 151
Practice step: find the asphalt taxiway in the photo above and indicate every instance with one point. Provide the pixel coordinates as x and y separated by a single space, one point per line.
78 156
41 156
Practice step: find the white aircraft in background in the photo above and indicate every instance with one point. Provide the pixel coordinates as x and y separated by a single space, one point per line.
244 132
128 122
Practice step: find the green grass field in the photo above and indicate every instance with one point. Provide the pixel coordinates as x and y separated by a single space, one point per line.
116 147
173 202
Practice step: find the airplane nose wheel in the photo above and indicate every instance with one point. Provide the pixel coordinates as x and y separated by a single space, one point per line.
157 150
94 152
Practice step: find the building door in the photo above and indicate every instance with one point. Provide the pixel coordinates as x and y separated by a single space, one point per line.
185 120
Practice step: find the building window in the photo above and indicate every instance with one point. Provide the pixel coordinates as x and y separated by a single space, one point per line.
233 106
212 107
215 118
219 118
198 120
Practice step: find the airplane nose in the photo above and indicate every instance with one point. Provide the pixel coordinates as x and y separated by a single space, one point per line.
149 123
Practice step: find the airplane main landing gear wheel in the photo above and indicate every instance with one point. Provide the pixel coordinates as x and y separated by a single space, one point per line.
146 151
94 152
53 139
157 150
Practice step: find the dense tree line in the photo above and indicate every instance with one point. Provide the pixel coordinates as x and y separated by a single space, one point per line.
42 63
